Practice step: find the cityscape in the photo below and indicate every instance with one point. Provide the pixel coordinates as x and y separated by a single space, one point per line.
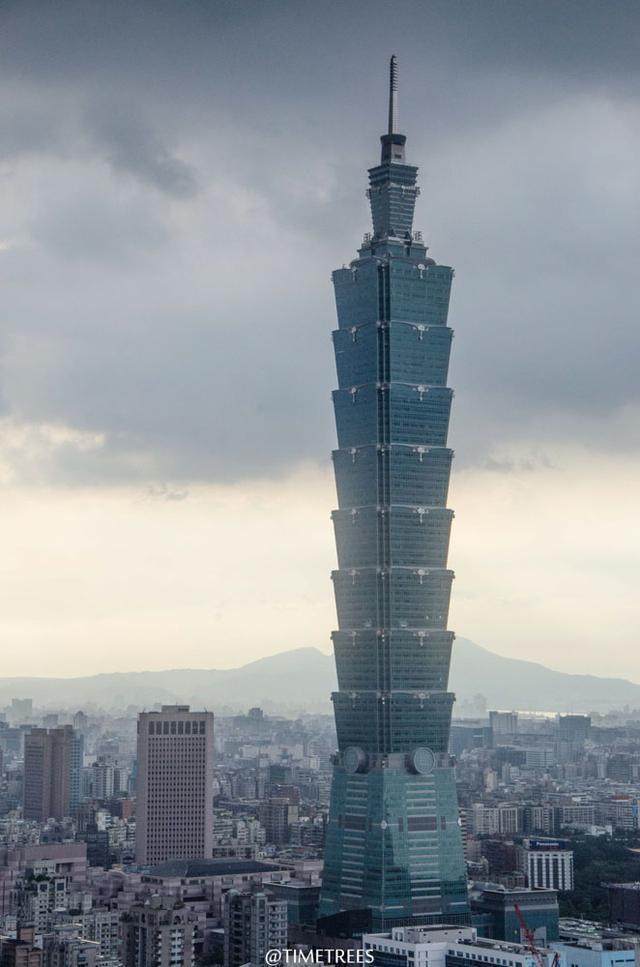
413 799
176 837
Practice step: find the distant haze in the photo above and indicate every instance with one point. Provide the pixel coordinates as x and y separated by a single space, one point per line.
302 681
178 181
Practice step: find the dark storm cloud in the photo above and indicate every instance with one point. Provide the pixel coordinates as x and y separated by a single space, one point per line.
180 179
132 147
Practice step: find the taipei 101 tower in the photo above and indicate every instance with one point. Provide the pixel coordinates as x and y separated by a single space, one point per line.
393 846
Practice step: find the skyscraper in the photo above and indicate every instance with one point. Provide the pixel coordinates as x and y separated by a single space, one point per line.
174 787
51 773
393 841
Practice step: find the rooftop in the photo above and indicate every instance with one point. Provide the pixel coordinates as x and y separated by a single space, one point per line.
224 867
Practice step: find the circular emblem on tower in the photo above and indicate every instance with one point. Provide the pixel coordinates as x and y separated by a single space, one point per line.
354 759
422 761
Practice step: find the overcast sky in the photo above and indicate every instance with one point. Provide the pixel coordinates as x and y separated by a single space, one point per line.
178 181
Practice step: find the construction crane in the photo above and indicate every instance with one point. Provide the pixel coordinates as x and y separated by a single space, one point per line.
530 944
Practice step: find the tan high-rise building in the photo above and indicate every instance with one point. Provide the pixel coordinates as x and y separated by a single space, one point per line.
49 760
174 798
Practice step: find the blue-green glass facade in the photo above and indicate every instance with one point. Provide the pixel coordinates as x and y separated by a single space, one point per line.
393 840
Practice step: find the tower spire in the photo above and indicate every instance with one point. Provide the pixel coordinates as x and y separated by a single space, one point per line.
392 142
393 93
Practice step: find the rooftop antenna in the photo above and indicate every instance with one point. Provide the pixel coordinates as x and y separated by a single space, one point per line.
393 93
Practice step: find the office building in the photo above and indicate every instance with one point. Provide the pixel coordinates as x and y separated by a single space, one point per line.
393 843
253 924
547 864
447 946
51 776
538 758
497 909
538 818
505 819
574 728
503 723
174 807
413 946
302 898
622 811
98 849
574 815
596 952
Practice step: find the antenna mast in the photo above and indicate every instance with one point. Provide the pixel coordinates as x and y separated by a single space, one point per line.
393 93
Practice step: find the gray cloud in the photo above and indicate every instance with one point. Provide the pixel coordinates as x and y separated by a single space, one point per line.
182 178
81 227
132 147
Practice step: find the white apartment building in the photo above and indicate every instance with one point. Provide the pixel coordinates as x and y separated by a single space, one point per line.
446 946
546 865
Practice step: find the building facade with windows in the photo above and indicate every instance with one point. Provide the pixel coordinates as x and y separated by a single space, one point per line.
174 804
547 864
254 923
393 843
52 765
502 912
158 933
447 946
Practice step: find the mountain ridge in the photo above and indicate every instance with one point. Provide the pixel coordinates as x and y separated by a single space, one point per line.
302 679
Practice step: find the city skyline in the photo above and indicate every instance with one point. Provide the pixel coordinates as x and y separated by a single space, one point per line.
150 209
195 769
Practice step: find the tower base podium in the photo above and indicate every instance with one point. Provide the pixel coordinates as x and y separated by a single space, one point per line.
407 867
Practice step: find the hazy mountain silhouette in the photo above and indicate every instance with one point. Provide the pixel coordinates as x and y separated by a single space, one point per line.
303 679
